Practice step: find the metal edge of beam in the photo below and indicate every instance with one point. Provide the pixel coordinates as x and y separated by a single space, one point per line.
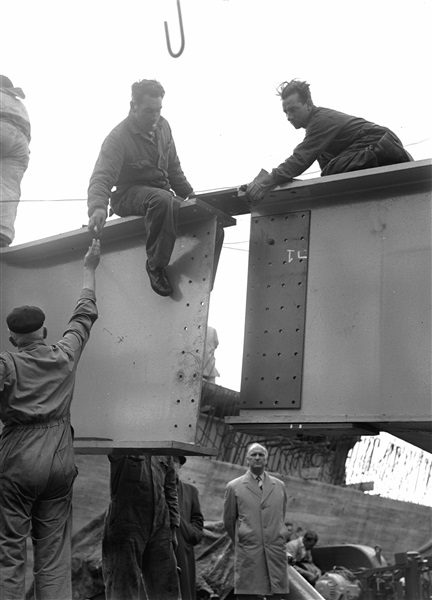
119 447
116 229
356 185
366 179
233 202
304 429
266 416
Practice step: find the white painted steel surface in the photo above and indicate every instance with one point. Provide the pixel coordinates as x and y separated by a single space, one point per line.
139 378
367 355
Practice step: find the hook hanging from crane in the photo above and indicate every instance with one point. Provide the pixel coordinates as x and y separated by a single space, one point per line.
176 54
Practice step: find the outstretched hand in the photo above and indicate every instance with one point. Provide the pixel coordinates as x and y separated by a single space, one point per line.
92 257
97 222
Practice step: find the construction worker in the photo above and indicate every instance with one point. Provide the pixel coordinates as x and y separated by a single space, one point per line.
339 142
14 155
300 556
140 535
139 158
37 467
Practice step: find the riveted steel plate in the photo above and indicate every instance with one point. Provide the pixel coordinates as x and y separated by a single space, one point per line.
139 379
275 311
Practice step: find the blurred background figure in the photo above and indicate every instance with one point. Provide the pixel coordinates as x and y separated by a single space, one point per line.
212 342
14 155
189 533
290 530
299 553
378 560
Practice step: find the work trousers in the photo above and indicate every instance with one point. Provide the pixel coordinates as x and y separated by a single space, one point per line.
37 472
14 159
138 558
160 211
368 152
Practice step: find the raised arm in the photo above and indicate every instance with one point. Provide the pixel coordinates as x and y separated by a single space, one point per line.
91 261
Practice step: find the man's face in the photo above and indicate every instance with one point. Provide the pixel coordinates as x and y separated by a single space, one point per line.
147 113
296 111
256 459
309 542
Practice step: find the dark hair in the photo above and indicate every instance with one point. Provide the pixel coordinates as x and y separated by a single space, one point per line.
310 534
288 88
146 87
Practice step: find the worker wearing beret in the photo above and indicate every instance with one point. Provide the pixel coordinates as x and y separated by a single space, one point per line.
37 467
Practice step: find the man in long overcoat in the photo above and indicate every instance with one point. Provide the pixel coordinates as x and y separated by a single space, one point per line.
189 533
254 512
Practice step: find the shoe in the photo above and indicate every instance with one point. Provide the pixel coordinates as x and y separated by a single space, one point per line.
159 281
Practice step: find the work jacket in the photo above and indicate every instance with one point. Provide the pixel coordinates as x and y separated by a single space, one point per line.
144 487
37 382
328 134
129 157
188 536
13 111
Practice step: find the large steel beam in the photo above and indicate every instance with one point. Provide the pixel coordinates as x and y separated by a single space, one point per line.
139 381
352 352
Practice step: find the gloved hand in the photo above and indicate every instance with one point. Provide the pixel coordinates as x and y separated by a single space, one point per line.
255 192
256 189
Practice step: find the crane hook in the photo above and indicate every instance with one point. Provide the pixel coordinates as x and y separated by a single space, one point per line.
176 54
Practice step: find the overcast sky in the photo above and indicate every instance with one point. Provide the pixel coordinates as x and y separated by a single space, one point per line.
76 61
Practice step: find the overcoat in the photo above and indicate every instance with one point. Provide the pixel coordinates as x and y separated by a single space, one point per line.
189 535
254 520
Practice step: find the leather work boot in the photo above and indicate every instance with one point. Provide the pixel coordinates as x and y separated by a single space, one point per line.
159 281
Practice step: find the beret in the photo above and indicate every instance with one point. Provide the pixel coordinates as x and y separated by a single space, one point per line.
25 319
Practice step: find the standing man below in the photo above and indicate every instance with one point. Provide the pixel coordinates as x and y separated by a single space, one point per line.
339 142
189 533
37 467
300 556
140 537
254 512
14 155
139 158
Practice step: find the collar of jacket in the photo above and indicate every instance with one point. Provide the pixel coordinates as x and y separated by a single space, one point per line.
31 346
135 129
311 114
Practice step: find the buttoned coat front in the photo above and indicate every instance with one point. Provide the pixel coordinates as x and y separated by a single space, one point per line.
254 520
